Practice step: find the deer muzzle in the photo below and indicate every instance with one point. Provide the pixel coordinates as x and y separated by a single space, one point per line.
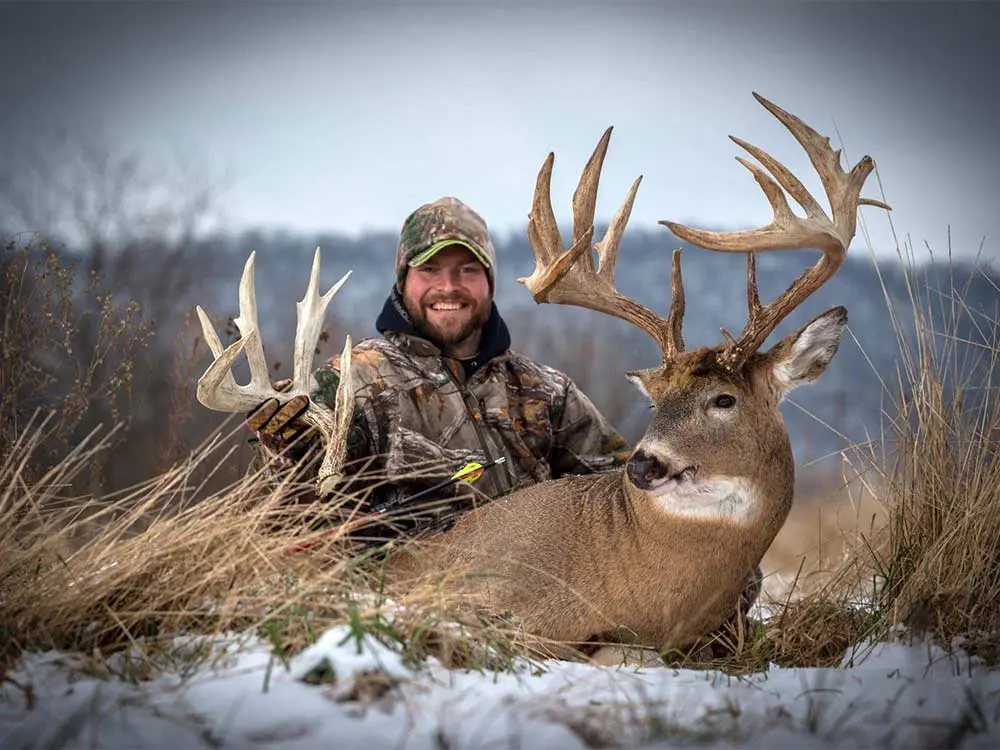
648 472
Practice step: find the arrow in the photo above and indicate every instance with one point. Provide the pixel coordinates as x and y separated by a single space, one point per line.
469 473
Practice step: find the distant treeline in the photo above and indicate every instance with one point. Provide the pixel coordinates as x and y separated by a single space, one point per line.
845 405
849 398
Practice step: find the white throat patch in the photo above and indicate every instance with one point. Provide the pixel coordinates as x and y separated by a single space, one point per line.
731 499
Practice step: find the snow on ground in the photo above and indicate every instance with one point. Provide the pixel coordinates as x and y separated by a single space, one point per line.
342 693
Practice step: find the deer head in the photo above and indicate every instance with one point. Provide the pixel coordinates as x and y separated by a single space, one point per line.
218 390
717 443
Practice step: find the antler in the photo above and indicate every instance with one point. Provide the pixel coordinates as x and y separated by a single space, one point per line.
218 390
569 277
789 231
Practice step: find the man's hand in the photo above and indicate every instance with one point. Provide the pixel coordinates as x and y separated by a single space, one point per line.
276 424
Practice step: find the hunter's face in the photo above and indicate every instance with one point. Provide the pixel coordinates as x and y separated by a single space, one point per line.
448 299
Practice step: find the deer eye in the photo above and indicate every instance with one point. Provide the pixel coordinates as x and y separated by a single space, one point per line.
724 401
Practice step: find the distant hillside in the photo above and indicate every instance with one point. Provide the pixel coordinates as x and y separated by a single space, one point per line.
597 350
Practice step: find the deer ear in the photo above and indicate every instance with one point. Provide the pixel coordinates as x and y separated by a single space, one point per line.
638 379
802 356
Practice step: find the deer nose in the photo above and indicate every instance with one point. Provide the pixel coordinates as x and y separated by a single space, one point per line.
644 469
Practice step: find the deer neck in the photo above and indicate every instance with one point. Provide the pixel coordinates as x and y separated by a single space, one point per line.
755 505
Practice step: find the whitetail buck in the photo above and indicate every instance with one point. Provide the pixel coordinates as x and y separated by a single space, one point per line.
657 553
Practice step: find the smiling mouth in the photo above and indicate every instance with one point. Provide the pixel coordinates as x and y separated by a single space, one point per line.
448 307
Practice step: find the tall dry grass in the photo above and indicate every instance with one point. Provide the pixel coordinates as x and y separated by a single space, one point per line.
131 570
135 570
926 558
830 510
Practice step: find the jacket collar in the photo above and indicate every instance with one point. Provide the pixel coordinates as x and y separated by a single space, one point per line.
395 320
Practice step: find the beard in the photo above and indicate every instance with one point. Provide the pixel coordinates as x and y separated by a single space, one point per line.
448 329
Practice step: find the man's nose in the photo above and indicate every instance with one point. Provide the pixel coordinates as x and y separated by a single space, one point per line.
450 280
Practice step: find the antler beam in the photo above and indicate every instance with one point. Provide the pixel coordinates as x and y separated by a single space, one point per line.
569 277
787 230
218 390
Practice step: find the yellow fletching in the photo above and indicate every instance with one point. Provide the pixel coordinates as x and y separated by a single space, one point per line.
469 473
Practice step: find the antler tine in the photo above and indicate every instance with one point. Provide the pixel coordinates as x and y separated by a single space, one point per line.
542 220
564 277
247 323
675 318
309 315
844 194
217 388
753 296
787 230
607 248
214 344
585 199
331 469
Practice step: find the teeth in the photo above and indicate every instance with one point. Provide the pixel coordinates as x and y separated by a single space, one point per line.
446 306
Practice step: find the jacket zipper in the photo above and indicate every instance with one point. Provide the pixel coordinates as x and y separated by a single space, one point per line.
477 418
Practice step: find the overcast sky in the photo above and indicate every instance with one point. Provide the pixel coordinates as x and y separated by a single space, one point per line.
346 117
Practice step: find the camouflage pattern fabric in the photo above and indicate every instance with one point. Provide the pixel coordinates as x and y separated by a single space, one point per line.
418 420
419 417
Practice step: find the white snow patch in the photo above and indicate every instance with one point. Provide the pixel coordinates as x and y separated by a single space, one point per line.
346 692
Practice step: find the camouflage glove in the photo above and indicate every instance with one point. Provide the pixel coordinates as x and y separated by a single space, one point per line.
277 425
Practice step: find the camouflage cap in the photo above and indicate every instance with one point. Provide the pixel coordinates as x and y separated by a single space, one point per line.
433 226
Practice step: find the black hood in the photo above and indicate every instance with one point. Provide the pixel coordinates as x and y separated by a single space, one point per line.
394 319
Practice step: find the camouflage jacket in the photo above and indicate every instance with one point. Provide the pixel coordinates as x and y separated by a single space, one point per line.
420 416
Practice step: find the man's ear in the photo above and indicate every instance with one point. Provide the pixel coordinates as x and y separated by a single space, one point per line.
802 356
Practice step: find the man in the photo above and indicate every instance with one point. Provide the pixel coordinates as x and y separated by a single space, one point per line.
441 387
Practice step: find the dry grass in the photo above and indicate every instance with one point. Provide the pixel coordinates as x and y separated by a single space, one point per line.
909 536
931 565
829 514
135 570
